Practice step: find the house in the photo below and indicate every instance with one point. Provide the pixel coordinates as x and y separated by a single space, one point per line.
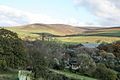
25 75
70 60
74 64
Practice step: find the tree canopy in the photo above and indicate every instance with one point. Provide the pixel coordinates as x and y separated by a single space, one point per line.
12 51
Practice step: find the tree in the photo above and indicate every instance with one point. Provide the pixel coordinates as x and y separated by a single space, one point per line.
111 47
87 64
104 73
43 54
12 49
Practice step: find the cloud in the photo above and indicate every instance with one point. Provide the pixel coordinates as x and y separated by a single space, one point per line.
13 17
107 11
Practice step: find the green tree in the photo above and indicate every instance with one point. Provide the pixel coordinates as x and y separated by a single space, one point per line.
104 73
12 49
87 64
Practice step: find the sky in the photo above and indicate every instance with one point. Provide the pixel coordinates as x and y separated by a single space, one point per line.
73 12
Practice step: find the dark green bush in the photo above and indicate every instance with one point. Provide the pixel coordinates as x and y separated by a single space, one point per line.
104 73
12 50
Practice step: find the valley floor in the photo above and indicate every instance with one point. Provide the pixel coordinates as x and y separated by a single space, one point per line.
90 39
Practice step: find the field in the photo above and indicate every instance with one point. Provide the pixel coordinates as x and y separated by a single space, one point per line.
8 76
69 33
73 75
13 75
56 29
90 39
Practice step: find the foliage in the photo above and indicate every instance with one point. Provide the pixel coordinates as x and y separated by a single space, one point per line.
104 73
3 65
12 50
42 54
74 76
112 47
86 63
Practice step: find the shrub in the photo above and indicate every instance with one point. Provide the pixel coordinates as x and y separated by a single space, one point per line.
104 73
86 63
12 49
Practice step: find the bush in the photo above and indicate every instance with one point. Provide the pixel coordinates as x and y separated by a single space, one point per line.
3 65
112 48
104 73
12 50
118 75
86 63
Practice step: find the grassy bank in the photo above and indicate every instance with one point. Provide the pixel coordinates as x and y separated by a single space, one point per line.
8 76
72 75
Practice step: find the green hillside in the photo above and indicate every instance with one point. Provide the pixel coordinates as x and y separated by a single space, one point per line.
73 75
57 29
69 33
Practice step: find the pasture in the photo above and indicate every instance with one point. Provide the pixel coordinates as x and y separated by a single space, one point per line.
102 35
89 39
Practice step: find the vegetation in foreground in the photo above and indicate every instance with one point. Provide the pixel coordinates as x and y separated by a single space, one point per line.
11 75
72 75
102 62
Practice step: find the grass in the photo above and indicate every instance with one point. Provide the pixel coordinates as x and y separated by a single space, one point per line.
114 34
8 76
107 34
13 75
28 32
72 75
91 39
23 33
110 36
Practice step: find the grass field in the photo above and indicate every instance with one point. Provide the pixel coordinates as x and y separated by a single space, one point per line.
8 76
91 39
24 33
102 35
73 75
107 33
13 76
56 29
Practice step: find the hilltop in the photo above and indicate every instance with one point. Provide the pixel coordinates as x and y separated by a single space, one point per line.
56 29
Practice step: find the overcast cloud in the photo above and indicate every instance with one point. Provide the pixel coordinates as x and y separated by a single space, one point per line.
107 11
12 17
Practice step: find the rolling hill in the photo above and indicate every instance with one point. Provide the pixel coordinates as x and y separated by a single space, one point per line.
109 32
56 29
67 32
